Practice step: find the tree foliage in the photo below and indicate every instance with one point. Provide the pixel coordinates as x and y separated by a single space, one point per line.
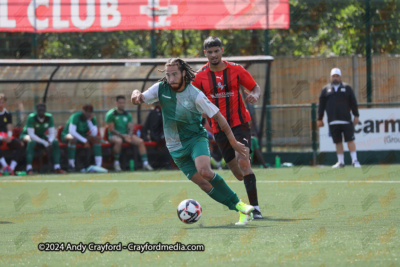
317 27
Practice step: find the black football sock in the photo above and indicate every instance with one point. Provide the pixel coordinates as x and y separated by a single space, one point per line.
251 188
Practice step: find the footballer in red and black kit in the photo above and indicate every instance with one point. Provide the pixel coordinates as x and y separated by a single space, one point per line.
8 144
220 81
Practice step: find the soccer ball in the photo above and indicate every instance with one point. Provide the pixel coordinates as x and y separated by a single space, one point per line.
189 211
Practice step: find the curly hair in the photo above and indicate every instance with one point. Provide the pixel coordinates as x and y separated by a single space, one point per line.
182 66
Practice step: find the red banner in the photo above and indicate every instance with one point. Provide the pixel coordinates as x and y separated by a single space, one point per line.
123 15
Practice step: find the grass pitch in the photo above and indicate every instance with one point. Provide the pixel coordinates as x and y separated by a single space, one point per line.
313 217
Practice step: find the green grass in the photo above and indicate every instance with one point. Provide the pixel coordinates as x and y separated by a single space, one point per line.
313 217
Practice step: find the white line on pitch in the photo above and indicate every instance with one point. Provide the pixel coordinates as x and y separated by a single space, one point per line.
187 181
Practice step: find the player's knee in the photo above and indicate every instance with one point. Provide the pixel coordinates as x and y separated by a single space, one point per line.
140 142
117 141
206 172
244 164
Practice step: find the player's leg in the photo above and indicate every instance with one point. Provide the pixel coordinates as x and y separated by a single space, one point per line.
215 186
241 166
220 191
55 151
243 134
16 146
228 154
95 141
71 150
142 151
117 146
349 137
30 153
3 161
336 133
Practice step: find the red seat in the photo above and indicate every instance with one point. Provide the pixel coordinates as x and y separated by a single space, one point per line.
17 131
137 127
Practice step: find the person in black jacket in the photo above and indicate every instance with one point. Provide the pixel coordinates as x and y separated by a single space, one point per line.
337 99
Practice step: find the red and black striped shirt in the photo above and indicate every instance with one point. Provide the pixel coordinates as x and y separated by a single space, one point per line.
223 89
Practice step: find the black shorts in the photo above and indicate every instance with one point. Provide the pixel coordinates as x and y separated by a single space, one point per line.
242 134
337 130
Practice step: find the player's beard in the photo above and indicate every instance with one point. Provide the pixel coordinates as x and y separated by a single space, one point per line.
215 63
179 86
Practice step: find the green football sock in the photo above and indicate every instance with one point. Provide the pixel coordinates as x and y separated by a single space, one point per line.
71 151
144 157
116 156
97 150
222 193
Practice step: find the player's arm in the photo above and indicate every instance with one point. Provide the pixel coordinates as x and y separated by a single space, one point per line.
73 131
204 105
31 132
92 127
223 124
354 107
34 137
149 96
9 129
253 95
52 131
321 108
130 129
111 128
110 124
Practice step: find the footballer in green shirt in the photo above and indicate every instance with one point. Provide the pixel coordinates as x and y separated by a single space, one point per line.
34 133
182 105
82 127
120 129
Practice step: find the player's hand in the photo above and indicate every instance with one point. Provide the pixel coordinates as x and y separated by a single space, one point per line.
137 97
356 120
45 143
320 123
86 145
252 99
7 139
126 138
240 148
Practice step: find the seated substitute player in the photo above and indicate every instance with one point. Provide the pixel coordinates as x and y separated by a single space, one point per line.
220 81
120 129
34 134
82 127
7 141
186 139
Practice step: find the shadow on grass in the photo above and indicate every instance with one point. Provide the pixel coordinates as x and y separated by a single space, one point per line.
4 222
283 219
228 226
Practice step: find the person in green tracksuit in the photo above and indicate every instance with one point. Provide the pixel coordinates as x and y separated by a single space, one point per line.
120 129
82 128
34 134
